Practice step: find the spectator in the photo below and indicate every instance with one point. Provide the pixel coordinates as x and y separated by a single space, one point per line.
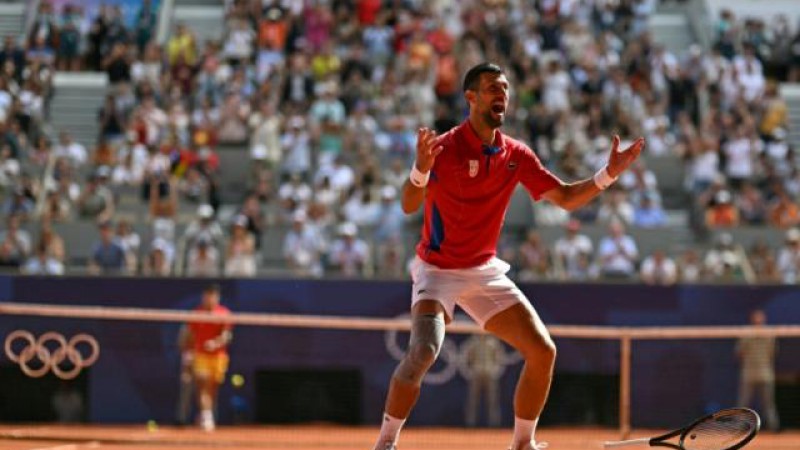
722 213
265 137
390 218
194 186
256 225
118 65
73 151
534 258
350 256
391 258
56 207
296 146
42 264
616 207
204 226
53 243
108 256
789 257
690 269
156 263
573 252
144 25
203 259
96 202
163 206
233 119
240 258
17 204
762 260
148 69
15 243
659 269
617 253
112 121
303 247
649 214
751 205
739 153
182 46
724 262
130 242
69 39
361 209
295 193
783 212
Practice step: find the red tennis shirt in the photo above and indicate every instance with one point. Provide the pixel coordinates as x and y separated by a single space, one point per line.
207 331
469 192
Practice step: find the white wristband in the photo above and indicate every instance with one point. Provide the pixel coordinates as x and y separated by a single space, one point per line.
602 179
418 178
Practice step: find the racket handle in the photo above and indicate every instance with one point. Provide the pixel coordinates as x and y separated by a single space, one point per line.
629 442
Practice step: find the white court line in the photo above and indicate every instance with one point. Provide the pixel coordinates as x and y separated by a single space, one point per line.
93 444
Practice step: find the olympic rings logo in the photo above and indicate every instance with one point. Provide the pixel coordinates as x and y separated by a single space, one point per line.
455 359
52 358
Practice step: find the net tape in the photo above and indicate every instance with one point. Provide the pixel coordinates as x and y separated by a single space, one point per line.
377 324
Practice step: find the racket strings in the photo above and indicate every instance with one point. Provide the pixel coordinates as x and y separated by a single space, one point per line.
721 432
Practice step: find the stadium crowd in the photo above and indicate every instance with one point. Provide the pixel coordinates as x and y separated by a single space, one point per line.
327 96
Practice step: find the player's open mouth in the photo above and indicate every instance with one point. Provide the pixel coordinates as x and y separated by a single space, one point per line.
499 108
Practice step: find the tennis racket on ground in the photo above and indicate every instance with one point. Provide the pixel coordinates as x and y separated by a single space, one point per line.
728 429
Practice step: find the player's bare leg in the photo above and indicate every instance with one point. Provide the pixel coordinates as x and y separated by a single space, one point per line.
522 328
206 397
427 334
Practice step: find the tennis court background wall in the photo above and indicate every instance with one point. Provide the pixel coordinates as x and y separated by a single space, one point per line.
136 378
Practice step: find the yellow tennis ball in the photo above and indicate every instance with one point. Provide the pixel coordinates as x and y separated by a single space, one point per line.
152 426
237 380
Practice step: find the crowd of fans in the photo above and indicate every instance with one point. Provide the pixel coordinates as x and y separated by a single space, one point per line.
327 95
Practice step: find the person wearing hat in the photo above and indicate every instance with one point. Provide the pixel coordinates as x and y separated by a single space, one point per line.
391 218
349 255
722 212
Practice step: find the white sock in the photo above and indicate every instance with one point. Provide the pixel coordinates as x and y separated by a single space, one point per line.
523 431
390 429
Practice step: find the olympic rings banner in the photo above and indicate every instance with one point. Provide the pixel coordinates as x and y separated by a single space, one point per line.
64 353
136 376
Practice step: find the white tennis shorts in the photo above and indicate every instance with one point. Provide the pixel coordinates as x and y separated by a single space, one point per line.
481 291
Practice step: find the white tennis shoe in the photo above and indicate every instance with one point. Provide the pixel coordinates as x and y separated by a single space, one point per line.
532 446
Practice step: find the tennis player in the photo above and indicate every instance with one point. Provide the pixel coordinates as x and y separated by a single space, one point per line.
465 179
210 342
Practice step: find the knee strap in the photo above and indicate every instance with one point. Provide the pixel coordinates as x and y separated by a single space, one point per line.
427 335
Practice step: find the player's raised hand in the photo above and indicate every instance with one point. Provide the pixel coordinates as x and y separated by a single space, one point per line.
427 149
619 160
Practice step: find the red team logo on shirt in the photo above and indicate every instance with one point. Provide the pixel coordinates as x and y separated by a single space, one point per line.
473 168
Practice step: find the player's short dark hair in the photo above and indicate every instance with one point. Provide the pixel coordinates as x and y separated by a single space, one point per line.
473 77
212 288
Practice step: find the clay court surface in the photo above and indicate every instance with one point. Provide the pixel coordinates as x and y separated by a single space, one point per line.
56 437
